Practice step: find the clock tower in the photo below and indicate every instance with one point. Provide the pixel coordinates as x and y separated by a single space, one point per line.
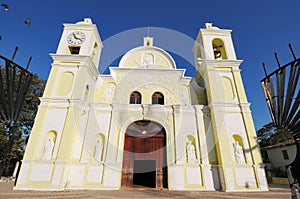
81 38
64 108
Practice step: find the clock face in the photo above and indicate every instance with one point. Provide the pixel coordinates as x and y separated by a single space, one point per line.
76 38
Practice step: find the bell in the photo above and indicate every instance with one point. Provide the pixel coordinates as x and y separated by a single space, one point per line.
217 52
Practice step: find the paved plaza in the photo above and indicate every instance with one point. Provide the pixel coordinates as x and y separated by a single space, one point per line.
276 191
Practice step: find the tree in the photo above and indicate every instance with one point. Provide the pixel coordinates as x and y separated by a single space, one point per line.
22 127
270 135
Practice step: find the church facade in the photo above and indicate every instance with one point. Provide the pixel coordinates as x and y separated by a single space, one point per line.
145 124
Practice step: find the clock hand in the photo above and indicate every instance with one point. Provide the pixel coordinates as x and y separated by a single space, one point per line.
76 37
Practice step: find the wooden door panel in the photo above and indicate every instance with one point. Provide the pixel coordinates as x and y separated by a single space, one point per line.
144 148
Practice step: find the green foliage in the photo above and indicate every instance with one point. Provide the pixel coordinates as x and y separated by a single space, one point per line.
30 107
3 140
22 127
270 135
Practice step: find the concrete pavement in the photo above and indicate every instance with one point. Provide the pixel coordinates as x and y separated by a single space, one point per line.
276 191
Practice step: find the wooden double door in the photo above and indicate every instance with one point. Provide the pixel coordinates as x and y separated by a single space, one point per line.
144 158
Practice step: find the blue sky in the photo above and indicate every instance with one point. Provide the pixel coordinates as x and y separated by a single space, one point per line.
260 27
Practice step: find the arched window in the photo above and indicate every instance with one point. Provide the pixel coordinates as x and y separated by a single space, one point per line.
219 49
86 93
95 52
135 98
157 98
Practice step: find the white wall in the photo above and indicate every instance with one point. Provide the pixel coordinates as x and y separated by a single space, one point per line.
276 156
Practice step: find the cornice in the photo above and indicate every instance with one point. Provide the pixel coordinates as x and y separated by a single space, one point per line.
76 58
210 62
212 31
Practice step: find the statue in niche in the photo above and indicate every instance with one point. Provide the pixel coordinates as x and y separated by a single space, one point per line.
191 153
98 150
108 94
48 149
239 153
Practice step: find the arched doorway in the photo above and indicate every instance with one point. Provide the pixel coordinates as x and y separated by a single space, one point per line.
144 157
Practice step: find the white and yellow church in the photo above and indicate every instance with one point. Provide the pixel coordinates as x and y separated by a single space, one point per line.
145 124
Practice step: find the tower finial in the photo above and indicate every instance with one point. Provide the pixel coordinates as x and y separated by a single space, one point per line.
148 30
148 41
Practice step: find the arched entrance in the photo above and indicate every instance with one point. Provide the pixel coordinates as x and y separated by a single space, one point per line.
144 158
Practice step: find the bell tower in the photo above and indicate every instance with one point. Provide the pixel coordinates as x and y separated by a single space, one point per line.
76 61
231 120
61 119
81 38
213 43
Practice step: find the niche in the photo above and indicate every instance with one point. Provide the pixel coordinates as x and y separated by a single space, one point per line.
65 83
190 149
238 149
49 145
98 147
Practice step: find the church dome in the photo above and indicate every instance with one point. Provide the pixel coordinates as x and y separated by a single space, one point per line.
147 56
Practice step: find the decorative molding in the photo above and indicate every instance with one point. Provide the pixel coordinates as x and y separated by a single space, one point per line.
76 58
223 62
230 107
212 31
170 59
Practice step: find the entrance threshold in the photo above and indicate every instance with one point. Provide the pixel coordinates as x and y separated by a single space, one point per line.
143 189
